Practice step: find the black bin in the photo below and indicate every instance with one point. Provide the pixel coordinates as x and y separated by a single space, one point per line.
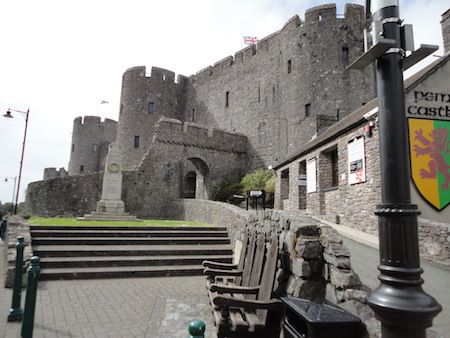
306 319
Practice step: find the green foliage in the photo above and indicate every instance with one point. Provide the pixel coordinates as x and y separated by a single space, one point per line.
225 190
258 180
270 185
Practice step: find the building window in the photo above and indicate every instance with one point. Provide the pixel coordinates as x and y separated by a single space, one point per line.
329 168
259 94
284 184
121 109
81 169
94 147
136 141
344 55
193 115
289 66
307 109
227 99
151 107
73 147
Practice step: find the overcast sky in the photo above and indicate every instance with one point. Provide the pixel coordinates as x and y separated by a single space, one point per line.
60 59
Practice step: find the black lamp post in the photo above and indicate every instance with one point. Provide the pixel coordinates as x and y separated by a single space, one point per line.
14 192
8 115
400 303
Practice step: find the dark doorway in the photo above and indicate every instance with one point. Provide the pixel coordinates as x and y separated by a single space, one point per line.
190 182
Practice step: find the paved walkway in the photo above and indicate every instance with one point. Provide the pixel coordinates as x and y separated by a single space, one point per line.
135 307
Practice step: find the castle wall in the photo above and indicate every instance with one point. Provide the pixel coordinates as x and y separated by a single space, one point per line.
213 154
446 30
50 173
64 196
136 118
266 99
90 140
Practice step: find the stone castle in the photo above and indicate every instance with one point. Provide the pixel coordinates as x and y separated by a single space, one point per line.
180 138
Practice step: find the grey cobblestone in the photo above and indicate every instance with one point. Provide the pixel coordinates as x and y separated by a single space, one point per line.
135 307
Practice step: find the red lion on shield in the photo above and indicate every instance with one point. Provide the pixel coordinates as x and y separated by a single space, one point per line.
436 148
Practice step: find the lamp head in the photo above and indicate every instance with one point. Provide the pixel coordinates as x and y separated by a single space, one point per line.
8 114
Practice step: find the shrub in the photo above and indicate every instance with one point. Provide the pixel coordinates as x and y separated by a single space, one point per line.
258 180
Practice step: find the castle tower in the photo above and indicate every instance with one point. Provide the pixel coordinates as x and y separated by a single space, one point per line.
289 87
144 100
90 140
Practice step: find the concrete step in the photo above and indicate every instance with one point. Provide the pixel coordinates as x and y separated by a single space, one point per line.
128 241
107 261
126 233
129 228
120 272
129 250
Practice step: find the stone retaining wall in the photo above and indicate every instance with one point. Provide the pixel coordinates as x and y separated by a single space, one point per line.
16 226
314 263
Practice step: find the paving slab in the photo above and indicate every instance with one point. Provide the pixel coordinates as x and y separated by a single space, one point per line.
131 307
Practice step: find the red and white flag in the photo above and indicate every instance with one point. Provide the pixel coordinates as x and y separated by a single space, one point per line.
250 40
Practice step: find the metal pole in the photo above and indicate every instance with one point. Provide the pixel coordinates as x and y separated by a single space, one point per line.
400 303
21 160
30 300
15 313
14 192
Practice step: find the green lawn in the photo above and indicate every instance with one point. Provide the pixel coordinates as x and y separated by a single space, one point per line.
146 222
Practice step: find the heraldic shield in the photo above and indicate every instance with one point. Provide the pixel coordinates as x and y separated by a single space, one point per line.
429 144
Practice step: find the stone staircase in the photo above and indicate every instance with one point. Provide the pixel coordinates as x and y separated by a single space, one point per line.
86 252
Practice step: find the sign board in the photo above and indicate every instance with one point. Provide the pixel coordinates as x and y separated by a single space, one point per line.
428 114
256 193
356 161
311 180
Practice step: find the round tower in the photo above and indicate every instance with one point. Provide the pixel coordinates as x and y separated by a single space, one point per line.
144 99
90 140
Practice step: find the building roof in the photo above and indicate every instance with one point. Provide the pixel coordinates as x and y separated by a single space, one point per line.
358 117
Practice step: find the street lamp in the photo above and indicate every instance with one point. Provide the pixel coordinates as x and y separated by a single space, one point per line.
14 192
9 115
402 306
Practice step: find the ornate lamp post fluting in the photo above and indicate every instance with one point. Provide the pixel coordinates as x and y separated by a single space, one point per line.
9 115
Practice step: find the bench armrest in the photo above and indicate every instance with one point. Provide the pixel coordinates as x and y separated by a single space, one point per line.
227 301
218 272
234 289
218 265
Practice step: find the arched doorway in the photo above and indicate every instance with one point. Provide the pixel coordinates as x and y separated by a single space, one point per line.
201 174
190 184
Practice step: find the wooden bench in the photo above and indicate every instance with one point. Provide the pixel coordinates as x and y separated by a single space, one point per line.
236 315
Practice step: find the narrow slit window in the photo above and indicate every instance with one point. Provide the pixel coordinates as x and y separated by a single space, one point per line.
344 55
259 94
151 107
307 109
94 147
81 169
193 114
136 141
227 99
73 147
289 66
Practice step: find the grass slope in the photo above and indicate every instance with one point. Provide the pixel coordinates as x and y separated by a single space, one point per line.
146 222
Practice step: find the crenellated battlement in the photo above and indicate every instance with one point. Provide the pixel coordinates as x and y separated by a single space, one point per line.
195 135
325 14
156 74
93 120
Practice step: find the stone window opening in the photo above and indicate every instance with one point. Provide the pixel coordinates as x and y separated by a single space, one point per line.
121 109
307 109
289 66
94 147
73 147
227 99
302 185
345 55
259 94
284 184
136 141
329 170
320 17
193 115
81 169
164 77
151 107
